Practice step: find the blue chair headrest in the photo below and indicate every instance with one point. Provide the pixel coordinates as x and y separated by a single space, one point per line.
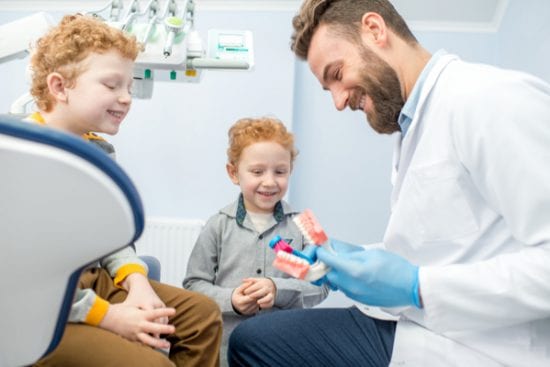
15 127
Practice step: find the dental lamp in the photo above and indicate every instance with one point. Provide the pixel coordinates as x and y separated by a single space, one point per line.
173 50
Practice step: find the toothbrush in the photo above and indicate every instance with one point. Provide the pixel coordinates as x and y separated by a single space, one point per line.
278 244
296 263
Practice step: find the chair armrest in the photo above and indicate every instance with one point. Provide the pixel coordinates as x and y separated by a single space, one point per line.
154 266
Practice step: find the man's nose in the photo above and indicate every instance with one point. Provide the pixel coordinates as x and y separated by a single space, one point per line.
340 98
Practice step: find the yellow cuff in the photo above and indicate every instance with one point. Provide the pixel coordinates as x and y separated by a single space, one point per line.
97 312
38 118
126 270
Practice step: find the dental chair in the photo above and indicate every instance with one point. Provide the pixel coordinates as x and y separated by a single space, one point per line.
64 204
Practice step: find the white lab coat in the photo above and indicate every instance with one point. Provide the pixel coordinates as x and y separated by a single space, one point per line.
471 206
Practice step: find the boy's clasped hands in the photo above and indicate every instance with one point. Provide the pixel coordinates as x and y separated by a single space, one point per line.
253 295
142 317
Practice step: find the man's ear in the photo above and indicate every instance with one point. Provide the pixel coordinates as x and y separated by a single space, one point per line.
57 87
232 173
373 29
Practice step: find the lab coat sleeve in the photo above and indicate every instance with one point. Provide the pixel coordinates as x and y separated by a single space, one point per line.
504 144
202 268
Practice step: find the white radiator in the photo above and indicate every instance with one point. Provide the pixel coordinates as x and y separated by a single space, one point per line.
170 240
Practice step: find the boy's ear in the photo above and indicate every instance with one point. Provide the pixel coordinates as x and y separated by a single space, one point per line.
56 86
232 173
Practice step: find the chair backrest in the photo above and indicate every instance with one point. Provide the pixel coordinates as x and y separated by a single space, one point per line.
63 205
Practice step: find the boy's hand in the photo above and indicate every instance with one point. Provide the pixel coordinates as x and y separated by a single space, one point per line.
139 325
142 295
263 290
242 303
140 292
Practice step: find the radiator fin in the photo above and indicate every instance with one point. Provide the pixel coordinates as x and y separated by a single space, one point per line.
170 240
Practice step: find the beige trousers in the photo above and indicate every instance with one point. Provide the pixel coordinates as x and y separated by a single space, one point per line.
196 341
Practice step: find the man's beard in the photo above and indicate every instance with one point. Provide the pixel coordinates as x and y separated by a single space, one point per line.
381 84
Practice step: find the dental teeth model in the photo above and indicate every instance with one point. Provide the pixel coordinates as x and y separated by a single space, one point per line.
296 263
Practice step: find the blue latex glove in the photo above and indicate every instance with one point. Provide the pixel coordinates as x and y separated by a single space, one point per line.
311 252
375 277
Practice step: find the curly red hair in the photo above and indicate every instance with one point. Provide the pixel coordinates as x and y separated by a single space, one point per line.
66 45
248 131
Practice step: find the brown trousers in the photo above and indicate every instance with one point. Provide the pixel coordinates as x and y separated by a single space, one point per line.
196 341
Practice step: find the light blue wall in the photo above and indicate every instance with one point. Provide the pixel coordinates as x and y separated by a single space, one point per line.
524 37
173 146
12 74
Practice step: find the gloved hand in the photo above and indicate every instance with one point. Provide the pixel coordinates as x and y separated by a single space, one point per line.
311 252
372 276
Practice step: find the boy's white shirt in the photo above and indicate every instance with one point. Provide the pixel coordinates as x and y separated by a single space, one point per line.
261 221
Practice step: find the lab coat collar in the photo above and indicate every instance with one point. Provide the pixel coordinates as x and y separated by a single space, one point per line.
406 145
407 112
